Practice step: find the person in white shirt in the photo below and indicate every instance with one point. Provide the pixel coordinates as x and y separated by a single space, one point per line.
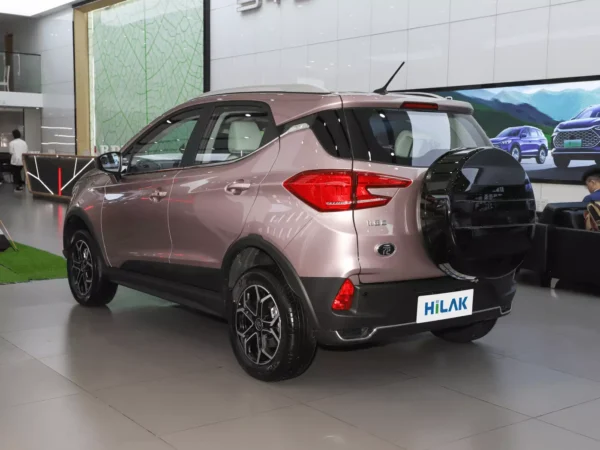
16 148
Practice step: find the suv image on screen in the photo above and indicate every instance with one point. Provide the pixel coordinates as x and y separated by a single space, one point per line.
578 138
523 142
305 218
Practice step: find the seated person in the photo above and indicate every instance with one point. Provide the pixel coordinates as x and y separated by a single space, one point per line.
592 216
591 178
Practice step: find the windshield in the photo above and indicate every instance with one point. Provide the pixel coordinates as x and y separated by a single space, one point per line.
510 132
589 113
411 138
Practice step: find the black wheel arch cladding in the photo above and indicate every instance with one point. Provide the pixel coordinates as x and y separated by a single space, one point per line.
254 251
477 213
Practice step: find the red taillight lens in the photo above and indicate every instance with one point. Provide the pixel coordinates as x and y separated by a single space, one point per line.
343 299
419 105
366 181
323 190
336 190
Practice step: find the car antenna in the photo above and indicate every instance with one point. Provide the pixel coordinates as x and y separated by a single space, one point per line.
383 90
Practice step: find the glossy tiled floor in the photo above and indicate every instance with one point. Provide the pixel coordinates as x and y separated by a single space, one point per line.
147 375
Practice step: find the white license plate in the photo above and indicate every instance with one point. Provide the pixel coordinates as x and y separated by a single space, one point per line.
449 305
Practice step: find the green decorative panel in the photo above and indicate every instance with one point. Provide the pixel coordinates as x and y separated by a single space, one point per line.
146 56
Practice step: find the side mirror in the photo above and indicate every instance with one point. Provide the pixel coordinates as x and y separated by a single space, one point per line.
110 163
523 135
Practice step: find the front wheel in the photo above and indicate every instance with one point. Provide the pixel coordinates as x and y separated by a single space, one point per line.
88 284
466 334
515 152
541 155
269 333
561 162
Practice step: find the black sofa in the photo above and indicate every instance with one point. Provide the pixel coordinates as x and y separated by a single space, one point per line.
562 247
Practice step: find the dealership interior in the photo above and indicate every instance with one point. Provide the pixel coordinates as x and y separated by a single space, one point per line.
285 310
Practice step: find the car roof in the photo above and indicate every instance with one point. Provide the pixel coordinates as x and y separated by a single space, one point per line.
293 101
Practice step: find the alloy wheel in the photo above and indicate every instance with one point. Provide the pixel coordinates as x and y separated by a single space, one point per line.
515 153
543 156
258 325
82 269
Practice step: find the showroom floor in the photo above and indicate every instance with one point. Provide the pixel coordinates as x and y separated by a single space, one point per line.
147 375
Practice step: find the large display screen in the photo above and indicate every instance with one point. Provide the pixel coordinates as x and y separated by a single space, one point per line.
553 129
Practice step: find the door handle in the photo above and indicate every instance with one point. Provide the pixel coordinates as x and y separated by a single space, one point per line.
237 187
157 195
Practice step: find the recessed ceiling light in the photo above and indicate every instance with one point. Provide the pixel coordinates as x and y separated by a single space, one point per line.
30 7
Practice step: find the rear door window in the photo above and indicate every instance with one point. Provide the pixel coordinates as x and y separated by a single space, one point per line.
234 132
410 138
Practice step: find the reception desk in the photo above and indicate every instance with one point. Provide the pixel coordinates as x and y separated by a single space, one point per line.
53 176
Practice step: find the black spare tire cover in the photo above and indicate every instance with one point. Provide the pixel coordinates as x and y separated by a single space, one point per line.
477 213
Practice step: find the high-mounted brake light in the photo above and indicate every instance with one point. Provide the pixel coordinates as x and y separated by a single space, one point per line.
343 299
340 190
420 105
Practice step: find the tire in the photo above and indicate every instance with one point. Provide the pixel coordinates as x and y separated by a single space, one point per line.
263 356
545 280
466 334
93 289
561 162
542 154
515 152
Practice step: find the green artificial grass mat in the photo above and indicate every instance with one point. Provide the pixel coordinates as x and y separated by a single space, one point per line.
29 264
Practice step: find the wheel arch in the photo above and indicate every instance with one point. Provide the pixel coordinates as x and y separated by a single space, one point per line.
76 220
254 251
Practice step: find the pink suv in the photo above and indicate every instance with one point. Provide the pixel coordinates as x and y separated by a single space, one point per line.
306 217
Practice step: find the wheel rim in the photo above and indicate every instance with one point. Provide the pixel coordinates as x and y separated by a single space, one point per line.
543 155
82 268
258 325
515 153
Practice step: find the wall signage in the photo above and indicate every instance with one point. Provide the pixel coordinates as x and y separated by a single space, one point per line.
250 5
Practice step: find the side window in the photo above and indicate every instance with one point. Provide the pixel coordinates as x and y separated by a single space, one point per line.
234 132
525 133
164 146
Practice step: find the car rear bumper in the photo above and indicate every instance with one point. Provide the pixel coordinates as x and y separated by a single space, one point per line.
384 311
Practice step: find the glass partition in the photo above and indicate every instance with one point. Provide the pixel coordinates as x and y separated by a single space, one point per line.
20 72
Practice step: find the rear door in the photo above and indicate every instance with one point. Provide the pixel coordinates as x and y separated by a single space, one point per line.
213 194
401 143
528 141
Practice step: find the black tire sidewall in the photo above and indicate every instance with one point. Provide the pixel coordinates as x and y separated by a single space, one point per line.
468 333
82 235
292 345
518 149
539 155
561 163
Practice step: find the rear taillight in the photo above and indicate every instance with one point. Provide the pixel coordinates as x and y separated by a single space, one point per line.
343 299
337 190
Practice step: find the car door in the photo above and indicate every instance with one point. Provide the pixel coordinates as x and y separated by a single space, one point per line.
214 193
526 141
135 225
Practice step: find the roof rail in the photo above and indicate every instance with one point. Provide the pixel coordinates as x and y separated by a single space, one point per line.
277 88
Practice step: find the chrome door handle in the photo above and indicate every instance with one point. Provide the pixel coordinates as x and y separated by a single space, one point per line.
158 195
237 187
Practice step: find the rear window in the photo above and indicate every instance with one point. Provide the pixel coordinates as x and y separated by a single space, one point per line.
410 138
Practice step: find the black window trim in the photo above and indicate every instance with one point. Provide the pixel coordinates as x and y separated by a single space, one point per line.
344 149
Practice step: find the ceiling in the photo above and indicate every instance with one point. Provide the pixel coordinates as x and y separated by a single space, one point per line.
29 8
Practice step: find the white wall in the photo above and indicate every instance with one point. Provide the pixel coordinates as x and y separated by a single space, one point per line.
357 45
52 37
